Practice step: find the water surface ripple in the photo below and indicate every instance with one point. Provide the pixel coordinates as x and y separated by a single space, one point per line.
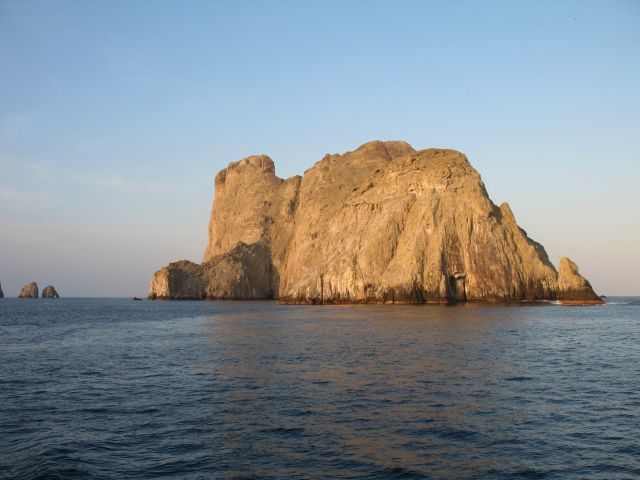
115 389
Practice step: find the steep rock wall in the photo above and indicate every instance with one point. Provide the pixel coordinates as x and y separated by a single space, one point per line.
384 223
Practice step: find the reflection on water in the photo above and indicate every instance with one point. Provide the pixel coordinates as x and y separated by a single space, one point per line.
110 388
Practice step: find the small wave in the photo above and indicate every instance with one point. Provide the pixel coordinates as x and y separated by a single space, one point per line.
518 379
630 449
401 472
286 431
507 441
530 473
445 433
456 434
56 470
303 413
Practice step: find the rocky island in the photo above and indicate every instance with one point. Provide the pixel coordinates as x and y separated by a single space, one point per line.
382 224
50 292
1 292
30 290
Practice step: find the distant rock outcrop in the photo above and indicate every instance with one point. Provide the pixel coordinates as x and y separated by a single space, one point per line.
50 292
30 290
381 224
1 292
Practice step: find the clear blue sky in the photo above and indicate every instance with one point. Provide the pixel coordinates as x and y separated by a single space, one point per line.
115 117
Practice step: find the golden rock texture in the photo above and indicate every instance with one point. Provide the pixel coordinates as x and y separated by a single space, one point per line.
381 224
30 290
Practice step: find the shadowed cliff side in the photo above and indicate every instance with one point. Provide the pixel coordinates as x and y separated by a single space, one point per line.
381 224
252 205
243 273
50 292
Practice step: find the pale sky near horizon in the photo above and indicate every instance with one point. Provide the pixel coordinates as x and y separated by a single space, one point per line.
116 116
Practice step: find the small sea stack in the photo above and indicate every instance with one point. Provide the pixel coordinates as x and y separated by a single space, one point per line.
50 292
1 293
30 290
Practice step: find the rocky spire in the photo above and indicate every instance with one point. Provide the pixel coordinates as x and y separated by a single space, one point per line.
30 290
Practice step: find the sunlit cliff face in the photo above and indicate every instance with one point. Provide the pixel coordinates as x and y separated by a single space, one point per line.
381 224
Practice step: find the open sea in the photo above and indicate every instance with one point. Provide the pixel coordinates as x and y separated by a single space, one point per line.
119 389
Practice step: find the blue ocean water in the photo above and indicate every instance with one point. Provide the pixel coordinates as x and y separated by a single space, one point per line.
117 389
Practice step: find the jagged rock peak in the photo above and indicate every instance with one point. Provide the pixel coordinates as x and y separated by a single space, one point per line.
573 287
30 290
50 292
381 224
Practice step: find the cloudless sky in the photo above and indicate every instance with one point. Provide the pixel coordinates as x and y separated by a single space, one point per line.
116 116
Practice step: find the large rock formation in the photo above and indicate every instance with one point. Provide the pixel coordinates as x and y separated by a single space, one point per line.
30 290
384 223
50 292
1 292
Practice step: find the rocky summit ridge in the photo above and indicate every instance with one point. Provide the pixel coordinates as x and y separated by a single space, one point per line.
382 224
